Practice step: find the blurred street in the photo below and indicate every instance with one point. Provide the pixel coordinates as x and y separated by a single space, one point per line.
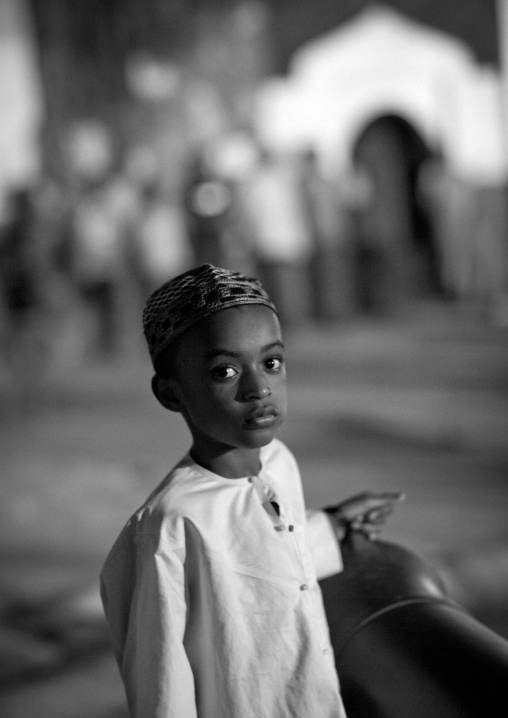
417 403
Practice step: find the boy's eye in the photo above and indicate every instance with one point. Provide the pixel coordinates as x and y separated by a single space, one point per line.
224 372
274 363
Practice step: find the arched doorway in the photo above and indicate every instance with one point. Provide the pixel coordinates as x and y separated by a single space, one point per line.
394 248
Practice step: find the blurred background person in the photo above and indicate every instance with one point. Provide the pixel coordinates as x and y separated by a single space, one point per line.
323 198
159 235
208 201
23 287
98 262
281 233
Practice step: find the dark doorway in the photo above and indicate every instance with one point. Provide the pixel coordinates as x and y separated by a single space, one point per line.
394 248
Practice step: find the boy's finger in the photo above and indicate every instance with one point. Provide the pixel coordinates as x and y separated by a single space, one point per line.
386 500
391 496
373 517
377 518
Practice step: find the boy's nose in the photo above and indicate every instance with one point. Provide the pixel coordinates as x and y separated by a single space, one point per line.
256 388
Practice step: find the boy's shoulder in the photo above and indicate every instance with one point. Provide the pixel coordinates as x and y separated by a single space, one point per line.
175 484
159 517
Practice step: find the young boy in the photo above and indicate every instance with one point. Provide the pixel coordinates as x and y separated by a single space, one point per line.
211 590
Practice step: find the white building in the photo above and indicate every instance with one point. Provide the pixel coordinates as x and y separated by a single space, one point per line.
385 65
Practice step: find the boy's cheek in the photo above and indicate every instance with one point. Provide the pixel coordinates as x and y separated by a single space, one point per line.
283 398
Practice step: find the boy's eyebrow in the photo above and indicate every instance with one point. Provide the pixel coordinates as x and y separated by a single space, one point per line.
226 352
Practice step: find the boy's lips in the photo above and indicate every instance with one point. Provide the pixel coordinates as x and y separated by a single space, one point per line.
261 418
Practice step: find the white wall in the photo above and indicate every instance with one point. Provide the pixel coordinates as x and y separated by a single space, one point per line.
20 97
384 63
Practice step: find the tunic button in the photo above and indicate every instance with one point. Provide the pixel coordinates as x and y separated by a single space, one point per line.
291 528
251 480
303 587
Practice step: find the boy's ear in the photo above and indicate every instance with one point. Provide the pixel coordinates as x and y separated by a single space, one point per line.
164 392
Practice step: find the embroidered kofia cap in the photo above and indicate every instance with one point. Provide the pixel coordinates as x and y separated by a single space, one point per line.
184 300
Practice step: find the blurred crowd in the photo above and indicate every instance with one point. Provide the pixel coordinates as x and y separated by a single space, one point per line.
77 261
79 258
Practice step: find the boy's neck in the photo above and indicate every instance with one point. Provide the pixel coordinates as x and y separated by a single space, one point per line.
233 464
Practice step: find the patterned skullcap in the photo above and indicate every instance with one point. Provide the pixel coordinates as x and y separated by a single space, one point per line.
184 300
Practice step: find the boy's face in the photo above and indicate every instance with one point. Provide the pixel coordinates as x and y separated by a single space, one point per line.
230 379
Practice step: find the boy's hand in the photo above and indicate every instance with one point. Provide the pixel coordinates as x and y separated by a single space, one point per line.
366 512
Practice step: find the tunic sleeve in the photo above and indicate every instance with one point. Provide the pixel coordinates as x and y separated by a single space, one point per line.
153 662
323 545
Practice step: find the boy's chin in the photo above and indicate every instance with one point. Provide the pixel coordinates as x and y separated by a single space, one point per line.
259 438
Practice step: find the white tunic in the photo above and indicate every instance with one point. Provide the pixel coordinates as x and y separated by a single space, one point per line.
212 598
